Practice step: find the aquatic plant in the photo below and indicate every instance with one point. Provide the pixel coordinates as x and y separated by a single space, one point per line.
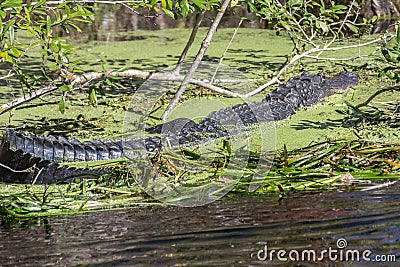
331 165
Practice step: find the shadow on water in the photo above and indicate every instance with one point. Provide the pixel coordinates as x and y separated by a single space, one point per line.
57 127
229 232
252 56
353 119
309 124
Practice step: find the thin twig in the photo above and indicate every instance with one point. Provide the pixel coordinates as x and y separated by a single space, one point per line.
379 186
199 19
281 71
340 28
137 13
198 59
226 50
79 81
10 74
306 54
337 59
366 102
15 171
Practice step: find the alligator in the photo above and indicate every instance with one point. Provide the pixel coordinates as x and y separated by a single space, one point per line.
22 150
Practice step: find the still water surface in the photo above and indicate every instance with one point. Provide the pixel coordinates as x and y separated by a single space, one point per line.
229 232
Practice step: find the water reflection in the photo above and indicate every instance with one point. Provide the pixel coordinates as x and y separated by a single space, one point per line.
224 233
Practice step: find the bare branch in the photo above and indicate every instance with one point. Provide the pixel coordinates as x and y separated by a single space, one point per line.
281 71
199 19
15 171
342 24
79 81
357 45
198 59
215 88
307 54
337 59
9 75
226 50
366 102
122 3
27 97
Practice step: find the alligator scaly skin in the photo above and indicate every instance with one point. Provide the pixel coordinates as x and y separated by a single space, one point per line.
300 91
26 168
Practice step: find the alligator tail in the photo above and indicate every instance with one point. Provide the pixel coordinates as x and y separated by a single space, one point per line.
62 149
19 167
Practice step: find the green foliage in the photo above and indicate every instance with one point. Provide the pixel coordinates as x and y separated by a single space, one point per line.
29 25
314 17
42 22
38 22
176 9
307 22
391 57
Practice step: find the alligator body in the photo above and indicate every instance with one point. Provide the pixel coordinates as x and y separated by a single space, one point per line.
300 91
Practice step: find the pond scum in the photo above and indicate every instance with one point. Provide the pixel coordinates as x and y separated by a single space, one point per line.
340 165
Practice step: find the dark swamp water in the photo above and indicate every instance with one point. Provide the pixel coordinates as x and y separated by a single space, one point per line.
235 231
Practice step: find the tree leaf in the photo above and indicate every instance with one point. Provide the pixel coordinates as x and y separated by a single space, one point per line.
198 3
61 106
65 87
338 7
398 33
228 148
284 24
386 54
67 10
184 8
76 27
352 27
27 14
48 25
296 2
10 32
12 3
14 52
92 97
169 13
190 153
39 3
322 25
234 3
390 74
